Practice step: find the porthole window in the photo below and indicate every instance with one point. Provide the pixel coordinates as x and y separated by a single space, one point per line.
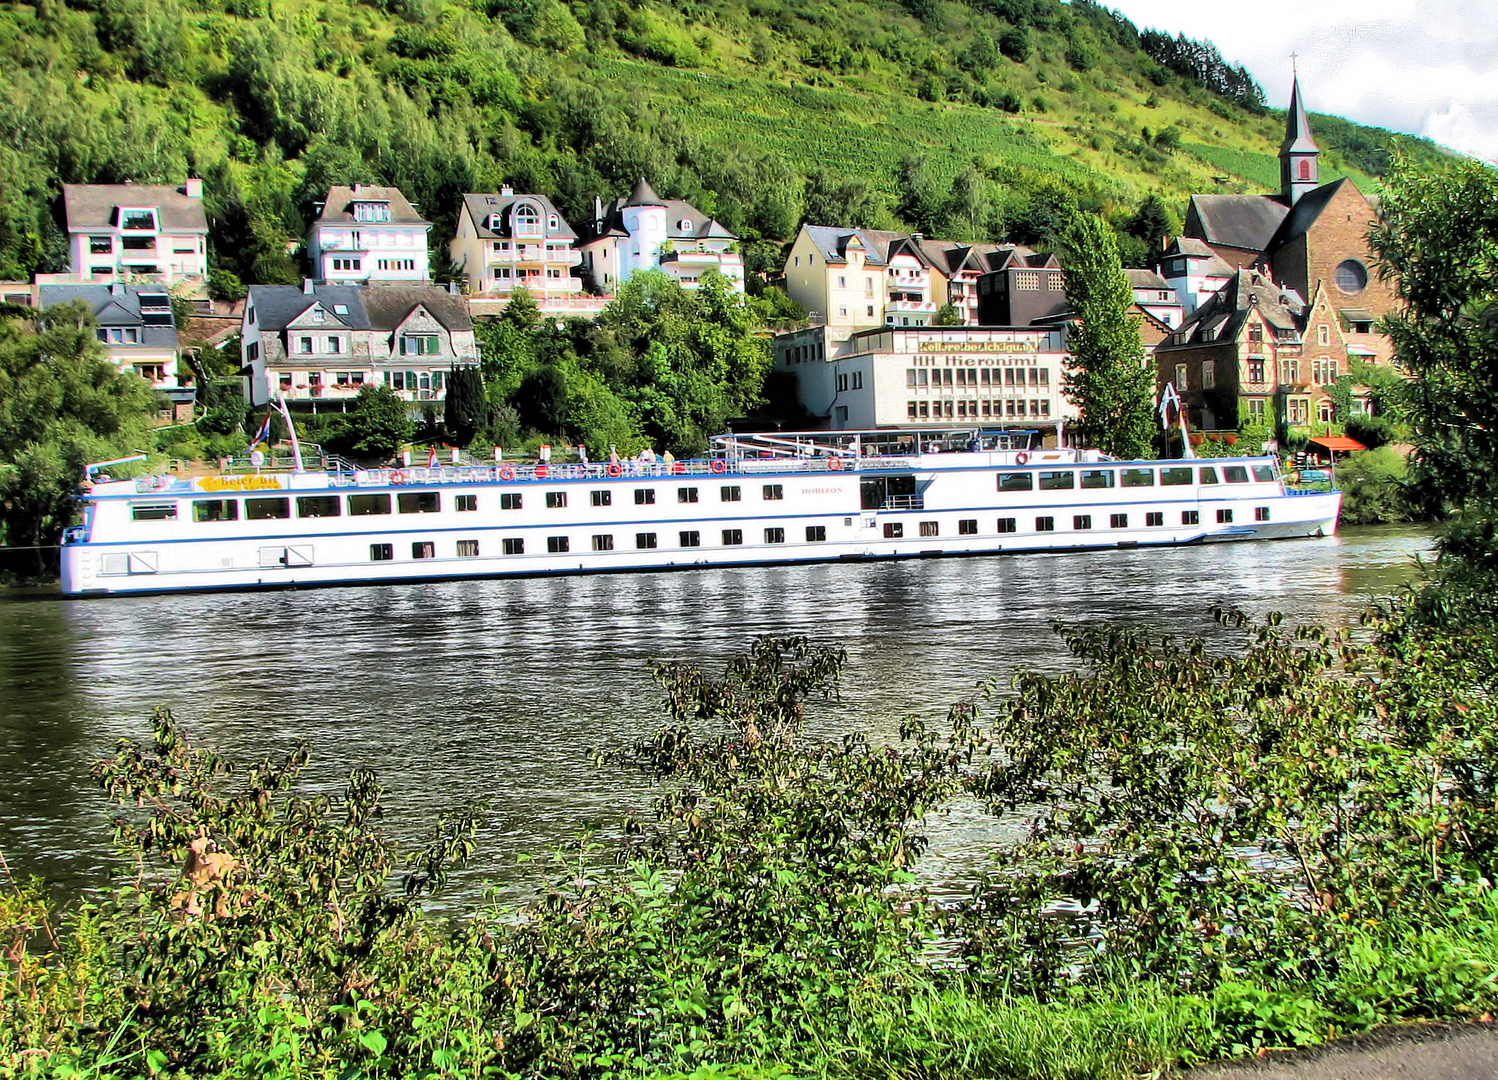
1352 276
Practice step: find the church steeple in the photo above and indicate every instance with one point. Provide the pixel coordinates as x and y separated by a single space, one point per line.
1298 171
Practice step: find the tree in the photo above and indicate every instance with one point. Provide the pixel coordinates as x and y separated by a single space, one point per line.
947 315
62 405
1437 243
465 409
380 423
1109 380
1153 223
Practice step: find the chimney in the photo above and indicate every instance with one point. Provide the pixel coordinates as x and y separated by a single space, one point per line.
306 286
117 288
193 189
507 190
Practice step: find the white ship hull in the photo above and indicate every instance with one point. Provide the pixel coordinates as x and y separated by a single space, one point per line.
420 525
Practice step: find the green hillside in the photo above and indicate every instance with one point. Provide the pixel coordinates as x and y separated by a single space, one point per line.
981 119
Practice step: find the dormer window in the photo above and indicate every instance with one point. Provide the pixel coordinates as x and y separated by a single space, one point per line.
371 211
685 225
527 219
141 220
494 223
552 223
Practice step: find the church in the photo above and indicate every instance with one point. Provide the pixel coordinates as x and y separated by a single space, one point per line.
1281 297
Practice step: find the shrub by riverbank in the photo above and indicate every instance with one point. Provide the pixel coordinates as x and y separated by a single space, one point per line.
1260 840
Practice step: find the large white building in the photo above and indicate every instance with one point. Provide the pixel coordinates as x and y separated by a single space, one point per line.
366 235
898 376
134 233
510 241
647 232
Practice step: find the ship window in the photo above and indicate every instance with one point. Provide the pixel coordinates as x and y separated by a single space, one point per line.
1261 513
367 505
1208 474
1016 481
153 511
644 496
1235 474
774 536
1154 519
893 530
602 498
815 534
1263 472
381 552
1175 476
686 494
468 549
419 502
773 492
1118 521
215 510
691 539
1137 477
1190 517
1081 521
513 545
467 502
729 493
967 527
930 528
1008 525
733 536
266 509
645 540
312 506
510 501
555 500
1057 481
423 549
603 542
557 544
1224 517
1045 524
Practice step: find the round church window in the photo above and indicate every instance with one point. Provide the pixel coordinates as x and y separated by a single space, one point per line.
1352 276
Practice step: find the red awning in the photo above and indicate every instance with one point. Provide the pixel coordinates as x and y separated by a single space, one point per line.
1338 444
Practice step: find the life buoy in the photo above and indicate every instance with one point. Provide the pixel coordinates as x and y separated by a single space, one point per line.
397 477
1021 458
614 469
543 470
719 466
507 472
835 464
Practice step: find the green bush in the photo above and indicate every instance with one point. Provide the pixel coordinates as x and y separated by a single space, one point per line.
1374 488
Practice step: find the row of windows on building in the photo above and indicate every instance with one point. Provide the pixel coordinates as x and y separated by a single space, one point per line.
801 354
340 263
332 345
894 530
504 273
267 508
552 250
104 245
921 410
1324 371
1011 376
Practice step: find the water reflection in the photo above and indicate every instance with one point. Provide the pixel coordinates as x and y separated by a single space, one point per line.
500 689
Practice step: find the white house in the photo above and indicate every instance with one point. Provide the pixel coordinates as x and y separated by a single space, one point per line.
134 233
1194 271
507 241
646 232
368 235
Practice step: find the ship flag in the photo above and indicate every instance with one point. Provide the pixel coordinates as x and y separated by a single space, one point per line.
263 435
432 458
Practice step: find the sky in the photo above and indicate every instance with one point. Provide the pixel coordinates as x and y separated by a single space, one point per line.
1427 67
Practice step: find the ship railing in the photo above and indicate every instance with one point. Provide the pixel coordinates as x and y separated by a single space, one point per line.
903 502
603 470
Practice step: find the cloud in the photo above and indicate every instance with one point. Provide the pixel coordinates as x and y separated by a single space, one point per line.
1425 67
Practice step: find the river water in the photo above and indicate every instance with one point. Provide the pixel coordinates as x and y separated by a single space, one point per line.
502 689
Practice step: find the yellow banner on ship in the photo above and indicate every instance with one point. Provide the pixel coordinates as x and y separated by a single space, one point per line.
241 483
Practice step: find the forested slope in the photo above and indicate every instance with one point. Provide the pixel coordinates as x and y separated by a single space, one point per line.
985 118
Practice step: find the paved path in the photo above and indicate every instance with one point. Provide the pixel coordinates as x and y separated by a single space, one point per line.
1426 1052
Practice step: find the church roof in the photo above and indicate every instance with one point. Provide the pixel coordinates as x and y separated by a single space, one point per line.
1247 222
1298 126
643 195
1304 214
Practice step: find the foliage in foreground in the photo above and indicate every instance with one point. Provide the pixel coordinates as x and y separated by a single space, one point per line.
1217 846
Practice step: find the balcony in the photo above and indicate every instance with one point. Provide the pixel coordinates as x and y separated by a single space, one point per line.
532 254
909 307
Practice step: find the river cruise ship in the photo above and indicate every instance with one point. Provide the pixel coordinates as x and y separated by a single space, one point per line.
758 499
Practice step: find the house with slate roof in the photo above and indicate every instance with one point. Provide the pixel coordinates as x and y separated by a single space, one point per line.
507 241
137 328
322 343
144 233
368 235
647 232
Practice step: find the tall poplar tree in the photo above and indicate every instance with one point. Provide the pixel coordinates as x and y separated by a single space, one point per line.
1109 381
